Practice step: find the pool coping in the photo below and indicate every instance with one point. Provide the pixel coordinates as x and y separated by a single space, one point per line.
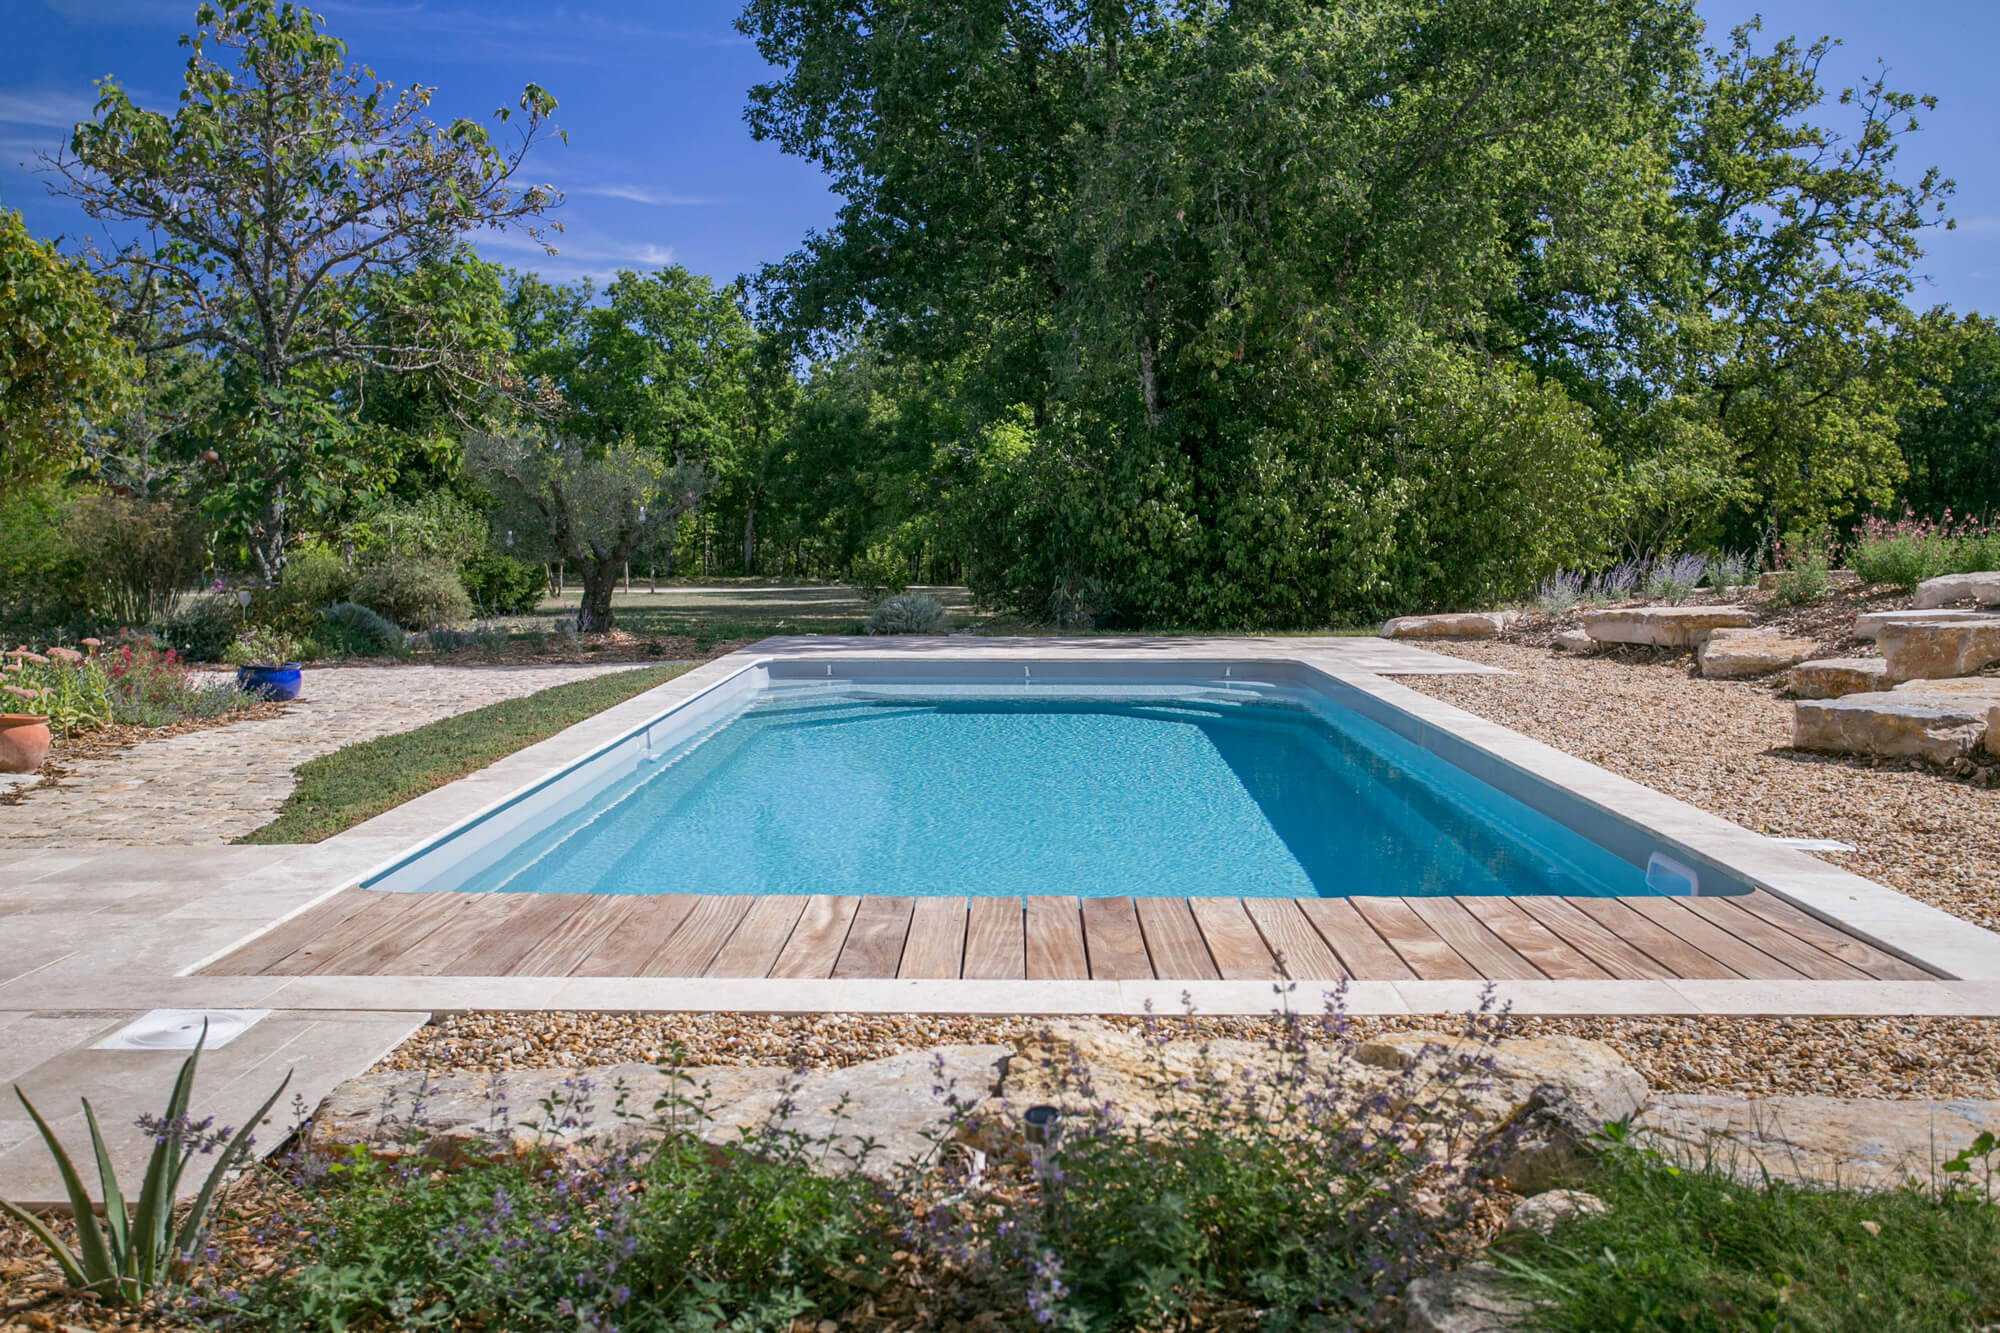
1890 920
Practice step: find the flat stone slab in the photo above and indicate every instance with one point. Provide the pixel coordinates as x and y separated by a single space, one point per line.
1957 687
896 1101
1859 1143
1891 725
1869 625
1832 677
1983 589
1665 626
1458 625
1732 654
1935 649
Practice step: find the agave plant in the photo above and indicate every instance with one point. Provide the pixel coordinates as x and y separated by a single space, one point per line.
125 1255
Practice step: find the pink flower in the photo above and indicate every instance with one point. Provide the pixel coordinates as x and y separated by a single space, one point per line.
69 655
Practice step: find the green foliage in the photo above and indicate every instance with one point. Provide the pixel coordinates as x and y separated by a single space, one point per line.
1685 1247
316 577
61 365
908 613
361 632
415 592
137 555
439 526
125 1255
308 263
500 585
260 645
1804 561
202 627
42 585
339 790
1951 443
71 690
1912 549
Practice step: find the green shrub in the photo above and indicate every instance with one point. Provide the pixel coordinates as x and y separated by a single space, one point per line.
356 631
440 526
1804 560
1908 551
500 585
415 593
202 627
137 555
42 587
882 568
908 613
316 577
261 645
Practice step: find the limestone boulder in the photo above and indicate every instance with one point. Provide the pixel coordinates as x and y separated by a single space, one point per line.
1548 1210
1980 589
1860 1143
1731 654
1590 1073
1575 641
1832 677
1548 1142
1460 625
1993 730
1891 724
893 1100
1473 1299
1664 626
1955 687
1934 649
1869 625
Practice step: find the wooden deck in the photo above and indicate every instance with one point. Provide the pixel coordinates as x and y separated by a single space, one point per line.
365 933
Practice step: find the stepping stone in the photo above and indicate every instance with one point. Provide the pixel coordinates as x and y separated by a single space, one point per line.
1869 625
1665 626
1460 625
1831 677
1731 654
1892 725
1958 687
1934 649
1982 588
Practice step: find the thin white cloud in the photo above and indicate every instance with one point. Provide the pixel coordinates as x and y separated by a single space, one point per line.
573 250
57 108
639 194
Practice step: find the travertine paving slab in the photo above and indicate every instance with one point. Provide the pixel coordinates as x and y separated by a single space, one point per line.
216 785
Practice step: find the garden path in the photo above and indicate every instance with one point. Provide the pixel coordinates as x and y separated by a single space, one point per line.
216 785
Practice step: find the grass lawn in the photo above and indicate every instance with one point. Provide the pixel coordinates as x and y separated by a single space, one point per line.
339 790
1689 1250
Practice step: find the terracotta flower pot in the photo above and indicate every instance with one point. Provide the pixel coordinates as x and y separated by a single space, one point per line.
24 742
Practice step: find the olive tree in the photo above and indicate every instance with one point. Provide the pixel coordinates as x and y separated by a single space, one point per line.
595 506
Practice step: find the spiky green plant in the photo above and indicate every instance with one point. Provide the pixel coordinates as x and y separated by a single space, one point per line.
125 1254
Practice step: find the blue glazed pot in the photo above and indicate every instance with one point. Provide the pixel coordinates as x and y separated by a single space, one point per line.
275 683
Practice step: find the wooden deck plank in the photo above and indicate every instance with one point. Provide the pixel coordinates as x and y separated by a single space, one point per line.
1684 960
692 947
875 941
996 940
1113 944
475 928
1411 936
649 923
1469 938
760 937
1173 940
1726 946
558 950
372 954
1239 952
281 941
1533 940
1583 934
1055 940
1365 954
1292 940
1809 959
816 940
936 946
1875 962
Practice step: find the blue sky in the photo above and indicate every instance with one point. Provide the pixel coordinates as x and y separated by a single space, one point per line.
659 166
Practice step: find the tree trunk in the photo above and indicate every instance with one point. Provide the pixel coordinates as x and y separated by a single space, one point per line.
593 612
750 538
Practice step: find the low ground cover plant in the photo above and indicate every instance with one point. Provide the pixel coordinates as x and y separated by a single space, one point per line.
908 613
339 790
131 682
1685 1246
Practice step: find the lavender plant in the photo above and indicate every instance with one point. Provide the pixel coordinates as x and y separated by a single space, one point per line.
1559 592
1730 569
1671 578
1618 582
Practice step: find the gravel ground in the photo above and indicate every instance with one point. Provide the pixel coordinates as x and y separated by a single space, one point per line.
1833 1057
1723 746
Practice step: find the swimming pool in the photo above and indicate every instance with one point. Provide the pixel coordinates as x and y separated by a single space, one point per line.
1255 780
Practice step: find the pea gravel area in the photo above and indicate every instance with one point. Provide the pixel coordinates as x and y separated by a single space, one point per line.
1833 1057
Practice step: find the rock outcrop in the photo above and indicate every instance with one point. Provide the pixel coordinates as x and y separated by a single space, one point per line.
1731 654
1934 649
1473 1299
1982 589
1860 1143
1664 626
1869 624
1832 677
1891 725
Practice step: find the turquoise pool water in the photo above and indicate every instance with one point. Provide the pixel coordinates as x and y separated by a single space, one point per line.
1254 792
